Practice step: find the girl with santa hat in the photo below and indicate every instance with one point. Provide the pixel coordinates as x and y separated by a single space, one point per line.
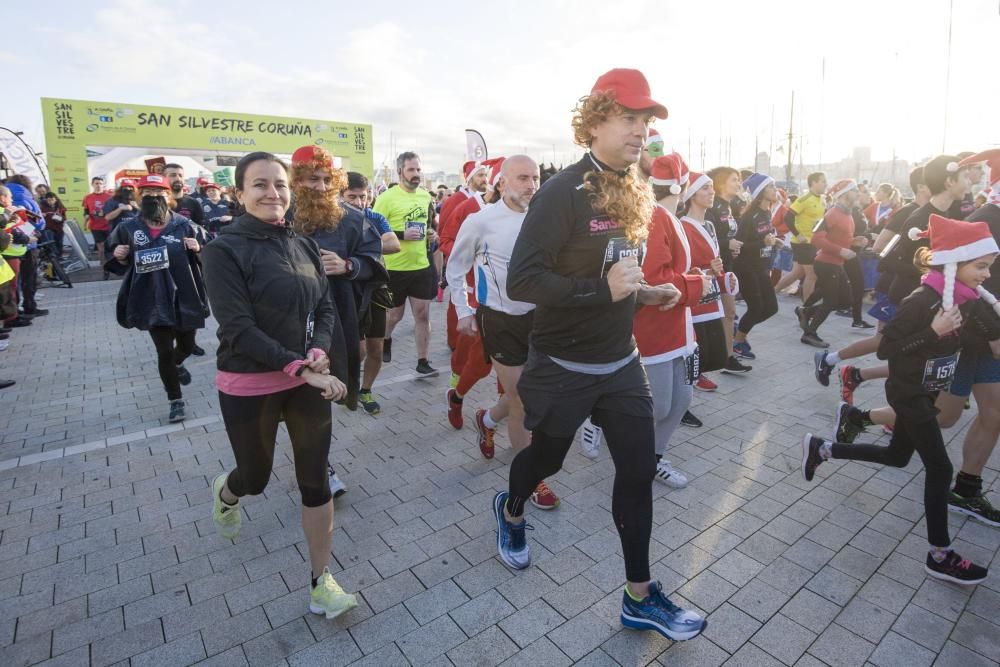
922 346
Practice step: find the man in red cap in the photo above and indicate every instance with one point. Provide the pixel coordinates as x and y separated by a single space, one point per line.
577 259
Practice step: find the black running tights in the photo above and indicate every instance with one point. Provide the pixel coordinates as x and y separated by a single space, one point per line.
758 292
924 438
630 441
169 356
252 426
856 276
831 287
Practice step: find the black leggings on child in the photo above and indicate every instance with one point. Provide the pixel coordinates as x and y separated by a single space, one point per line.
169 356
925 439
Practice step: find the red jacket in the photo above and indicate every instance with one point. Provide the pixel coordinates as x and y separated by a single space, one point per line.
662 335
449 207
835 234
871 213
452 221
449 232
704 248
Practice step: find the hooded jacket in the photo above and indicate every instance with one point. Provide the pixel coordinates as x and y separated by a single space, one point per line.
170 297
269 295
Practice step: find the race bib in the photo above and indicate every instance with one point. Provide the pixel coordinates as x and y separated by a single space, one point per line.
692 364
419 226
617 249
765 252
151 259
713 294
939 372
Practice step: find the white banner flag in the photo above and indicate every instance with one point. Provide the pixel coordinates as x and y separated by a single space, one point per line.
475 146
20 158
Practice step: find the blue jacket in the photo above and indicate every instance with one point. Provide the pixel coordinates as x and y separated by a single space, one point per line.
22 197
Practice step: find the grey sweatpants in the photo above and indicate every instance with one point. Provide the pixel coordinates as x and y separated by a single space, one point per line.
671 398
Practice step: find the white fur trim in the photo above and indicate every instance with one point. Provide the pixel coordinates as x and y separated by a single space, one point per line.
989 298
965 253
702 181
664 181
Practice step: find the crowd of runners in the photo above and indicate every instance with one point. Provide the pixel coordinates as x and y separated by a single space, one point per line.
600 300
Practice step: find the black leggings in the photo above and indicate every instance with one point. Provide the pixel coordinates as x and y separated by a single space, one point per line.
630 440
924 438
831 288
169 357
252 426
856 276
758 292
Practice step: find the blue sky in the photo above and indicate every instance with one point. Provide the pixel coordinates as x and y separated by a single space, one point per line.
425 71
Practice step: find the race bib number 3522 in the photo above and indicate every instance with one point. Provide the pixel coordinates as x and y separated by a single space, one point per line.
151 259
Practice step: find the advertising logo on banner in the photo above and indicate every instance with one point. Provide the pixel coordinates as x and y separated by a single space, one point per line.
74 127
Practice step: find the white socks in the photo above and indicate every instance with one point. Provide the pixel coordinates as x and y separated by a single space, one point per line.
832 358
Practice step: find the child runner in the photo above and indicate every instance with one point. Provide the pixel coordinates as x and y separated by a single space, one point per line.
922 346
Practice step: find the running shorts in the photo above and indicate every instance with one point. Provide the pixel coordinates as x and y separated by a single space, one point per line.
505 337
803 253
974 367
557 401
882 310
419 284
711 337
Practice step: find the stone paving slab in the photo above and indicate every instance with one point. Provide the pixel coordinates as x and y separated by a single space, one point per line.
108 555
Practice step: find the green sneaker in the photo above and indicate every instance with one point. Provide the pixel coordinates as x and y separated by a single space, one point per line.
226 517
453 382
979 508
329 598
369 403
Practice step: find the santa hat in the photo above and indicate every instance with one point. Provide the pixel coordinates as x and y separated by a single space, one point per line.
842 187
697 182
669 170
493 170
654 143
992 159
756 183
313 156
954 241
470 168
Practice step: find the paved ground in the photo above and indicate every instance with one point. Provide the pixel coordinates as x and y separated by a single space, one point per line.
108 553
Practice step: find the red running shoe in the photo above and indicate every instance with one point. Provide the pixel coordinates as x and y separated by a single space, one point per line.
454 410
704 384
543 498
848 383
485 435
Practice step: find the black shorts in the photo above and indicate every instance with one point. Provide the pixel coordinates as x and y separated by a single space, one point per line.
557 400
418 284
100 235
373 326
711 336
505 337
803 253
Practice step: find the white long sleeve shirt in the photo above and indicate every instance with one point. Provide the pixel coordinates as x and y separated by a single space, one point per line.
484 243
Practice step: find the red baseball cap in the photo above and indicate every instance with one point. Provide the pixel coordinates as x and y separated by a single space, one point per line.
127 183
154 181
209 184
630 89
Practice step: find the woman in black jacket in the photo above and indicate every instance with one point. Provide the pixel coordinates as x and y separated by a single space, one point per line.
163 291
922 345
753 265
271 299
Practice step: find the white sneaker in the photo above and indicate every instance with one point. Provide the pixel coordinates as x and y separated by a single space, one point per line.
590 440
337 487
4 344
666 474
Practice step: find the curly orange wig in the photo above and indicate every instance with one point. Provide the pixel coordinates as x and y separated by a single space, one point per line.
623 197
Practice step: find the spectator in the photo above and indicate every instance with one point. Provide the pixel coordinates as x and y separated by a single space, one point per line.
20 190
55 218
93 216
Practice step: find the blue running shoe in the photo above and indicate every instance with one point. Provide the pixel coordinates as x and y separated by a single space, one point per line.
657 612
511 543
742 350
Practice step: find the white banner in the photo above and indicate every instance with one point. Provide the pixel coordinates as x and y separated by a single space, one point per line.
475 146
20 158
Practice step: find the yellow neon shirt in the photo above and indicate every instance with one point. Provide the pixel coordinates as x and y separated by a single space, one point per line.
809 210
405 209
